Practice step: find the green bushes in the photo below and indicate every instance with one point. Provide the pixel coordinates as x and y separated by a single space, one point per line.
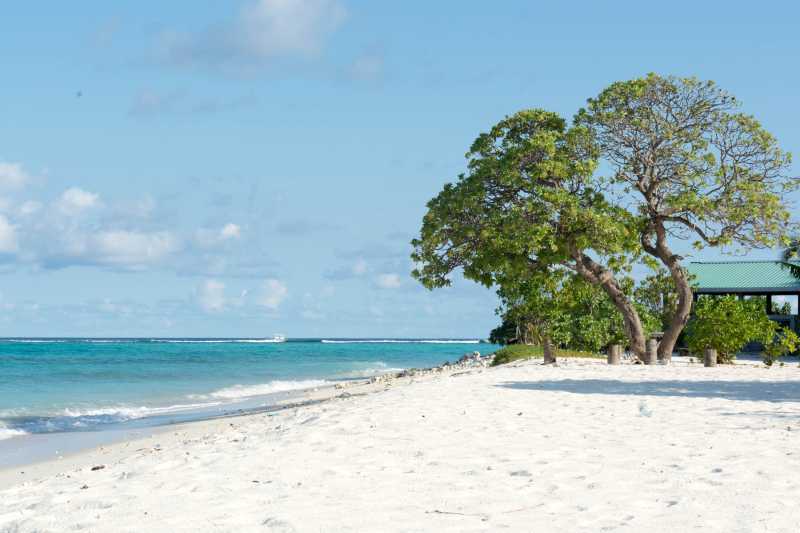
727 324
518 352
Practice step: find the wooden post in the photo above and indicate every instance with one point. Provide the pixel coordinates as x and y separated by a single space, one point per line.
651 357
665 359
549 355
769 304
614 354
710 357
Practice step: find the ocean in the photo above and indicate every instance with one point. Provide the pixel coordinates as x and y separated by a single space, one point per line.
52 386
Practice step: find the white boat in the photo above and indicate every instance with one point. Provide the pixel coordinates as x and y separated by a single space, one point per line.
278 338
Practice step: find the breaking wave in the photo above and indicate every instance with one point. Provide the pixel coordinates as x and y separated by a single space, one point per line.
237 392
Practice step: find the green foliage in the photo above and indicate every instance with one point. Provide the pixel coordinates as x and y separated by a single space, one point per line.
505 333
656 293
781 308
518 352
573 313
696 163
784 342
526 204
727 324
530 209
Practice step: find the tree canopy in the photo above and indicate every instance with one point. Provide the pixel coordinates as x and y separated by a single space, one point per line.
526 210
696 169
532 206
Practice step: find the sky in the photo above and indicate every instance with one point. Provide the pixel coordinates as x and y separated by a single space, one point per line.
245 168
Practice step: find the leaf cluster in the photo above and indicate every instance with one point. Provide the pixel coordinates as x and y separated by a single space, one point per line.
727 324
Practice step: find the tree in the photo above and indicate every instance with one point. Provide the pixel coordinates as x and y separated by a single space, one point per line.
656 293
727 324
694 167
526 211
574 313
536 305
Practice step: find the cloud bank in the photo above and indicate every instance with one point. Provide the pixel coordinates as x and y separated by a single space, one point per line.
262 32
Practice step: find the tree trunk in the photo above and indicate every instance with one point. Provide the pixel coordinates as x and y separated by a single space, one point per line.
630 319
597 274
684 305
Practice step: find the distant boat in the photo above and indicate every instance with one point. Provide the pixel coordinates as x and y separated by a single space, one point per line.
278 338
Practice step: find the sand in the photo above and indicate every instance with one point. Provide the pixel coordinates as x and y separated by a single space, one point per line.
581 446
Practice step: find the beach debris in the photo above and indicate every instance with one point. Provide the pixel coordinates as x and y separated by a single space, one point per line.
98 467
644 410
84 487
520 473
483 517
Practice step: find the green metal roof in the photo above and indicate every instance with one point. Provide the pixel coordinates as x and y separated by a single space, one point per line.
743 277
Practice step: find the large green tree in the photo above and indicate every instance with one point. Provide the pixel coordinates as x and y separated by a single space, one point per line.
686 165
527 209
694 168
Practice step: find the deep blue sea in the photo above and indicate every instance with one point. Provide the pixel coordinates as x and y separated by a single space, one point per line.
67 385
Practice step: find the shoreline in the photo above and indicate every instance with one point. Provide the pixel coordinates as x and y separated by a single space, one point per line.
89 442
578 446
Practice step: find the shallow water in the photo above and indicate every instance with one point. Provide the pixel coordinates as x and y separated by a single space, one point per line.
67 385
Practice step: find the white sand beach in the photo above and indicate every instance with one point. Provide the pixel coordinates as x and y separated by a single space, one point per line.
581 446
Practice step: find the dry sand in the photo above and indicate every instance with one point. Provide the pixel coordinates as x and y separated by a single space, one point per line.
577 447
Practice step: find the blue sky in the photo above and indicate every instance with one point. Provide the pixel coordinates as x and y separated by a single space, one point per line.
245 168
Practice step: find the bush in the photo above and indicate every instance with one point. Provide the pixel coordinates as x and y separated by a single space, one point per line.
784 342
727 324
519 352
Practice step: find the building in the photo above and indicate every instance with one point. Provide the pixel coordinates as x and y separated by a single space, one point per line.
774 281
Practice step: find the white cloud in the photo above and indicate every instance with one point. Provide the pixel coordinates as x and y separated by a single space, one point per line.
8 237
74 201
13 176
210 238
131 249
276 27
29 208
388 281
262 31
273 292
211 296
230 231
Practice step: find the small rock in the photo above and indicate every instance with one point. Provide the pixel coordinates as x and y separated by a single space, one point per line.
98 467
84 487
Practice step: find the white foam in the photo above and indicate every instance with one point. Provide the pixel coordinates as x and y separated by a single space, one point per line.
245 391
34 341
218 341
130 413
401 341
8 433
370 369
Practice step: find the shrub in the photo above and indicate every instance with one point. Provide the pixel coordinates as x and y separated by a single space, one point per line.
784 342
519 352
727 324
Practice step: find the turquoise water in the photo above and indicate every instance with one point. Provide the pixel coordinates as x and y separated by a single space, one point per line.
63 385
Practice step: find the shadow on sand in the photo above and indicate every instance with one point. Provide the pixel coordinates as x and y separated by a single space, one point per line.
786 391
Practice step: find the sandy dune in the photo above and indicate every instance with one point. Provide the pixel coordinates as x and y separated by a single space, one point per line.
578 447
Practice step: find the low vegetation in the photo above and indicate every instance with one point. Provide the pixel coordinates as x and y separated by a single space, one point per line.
519 352
727 324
